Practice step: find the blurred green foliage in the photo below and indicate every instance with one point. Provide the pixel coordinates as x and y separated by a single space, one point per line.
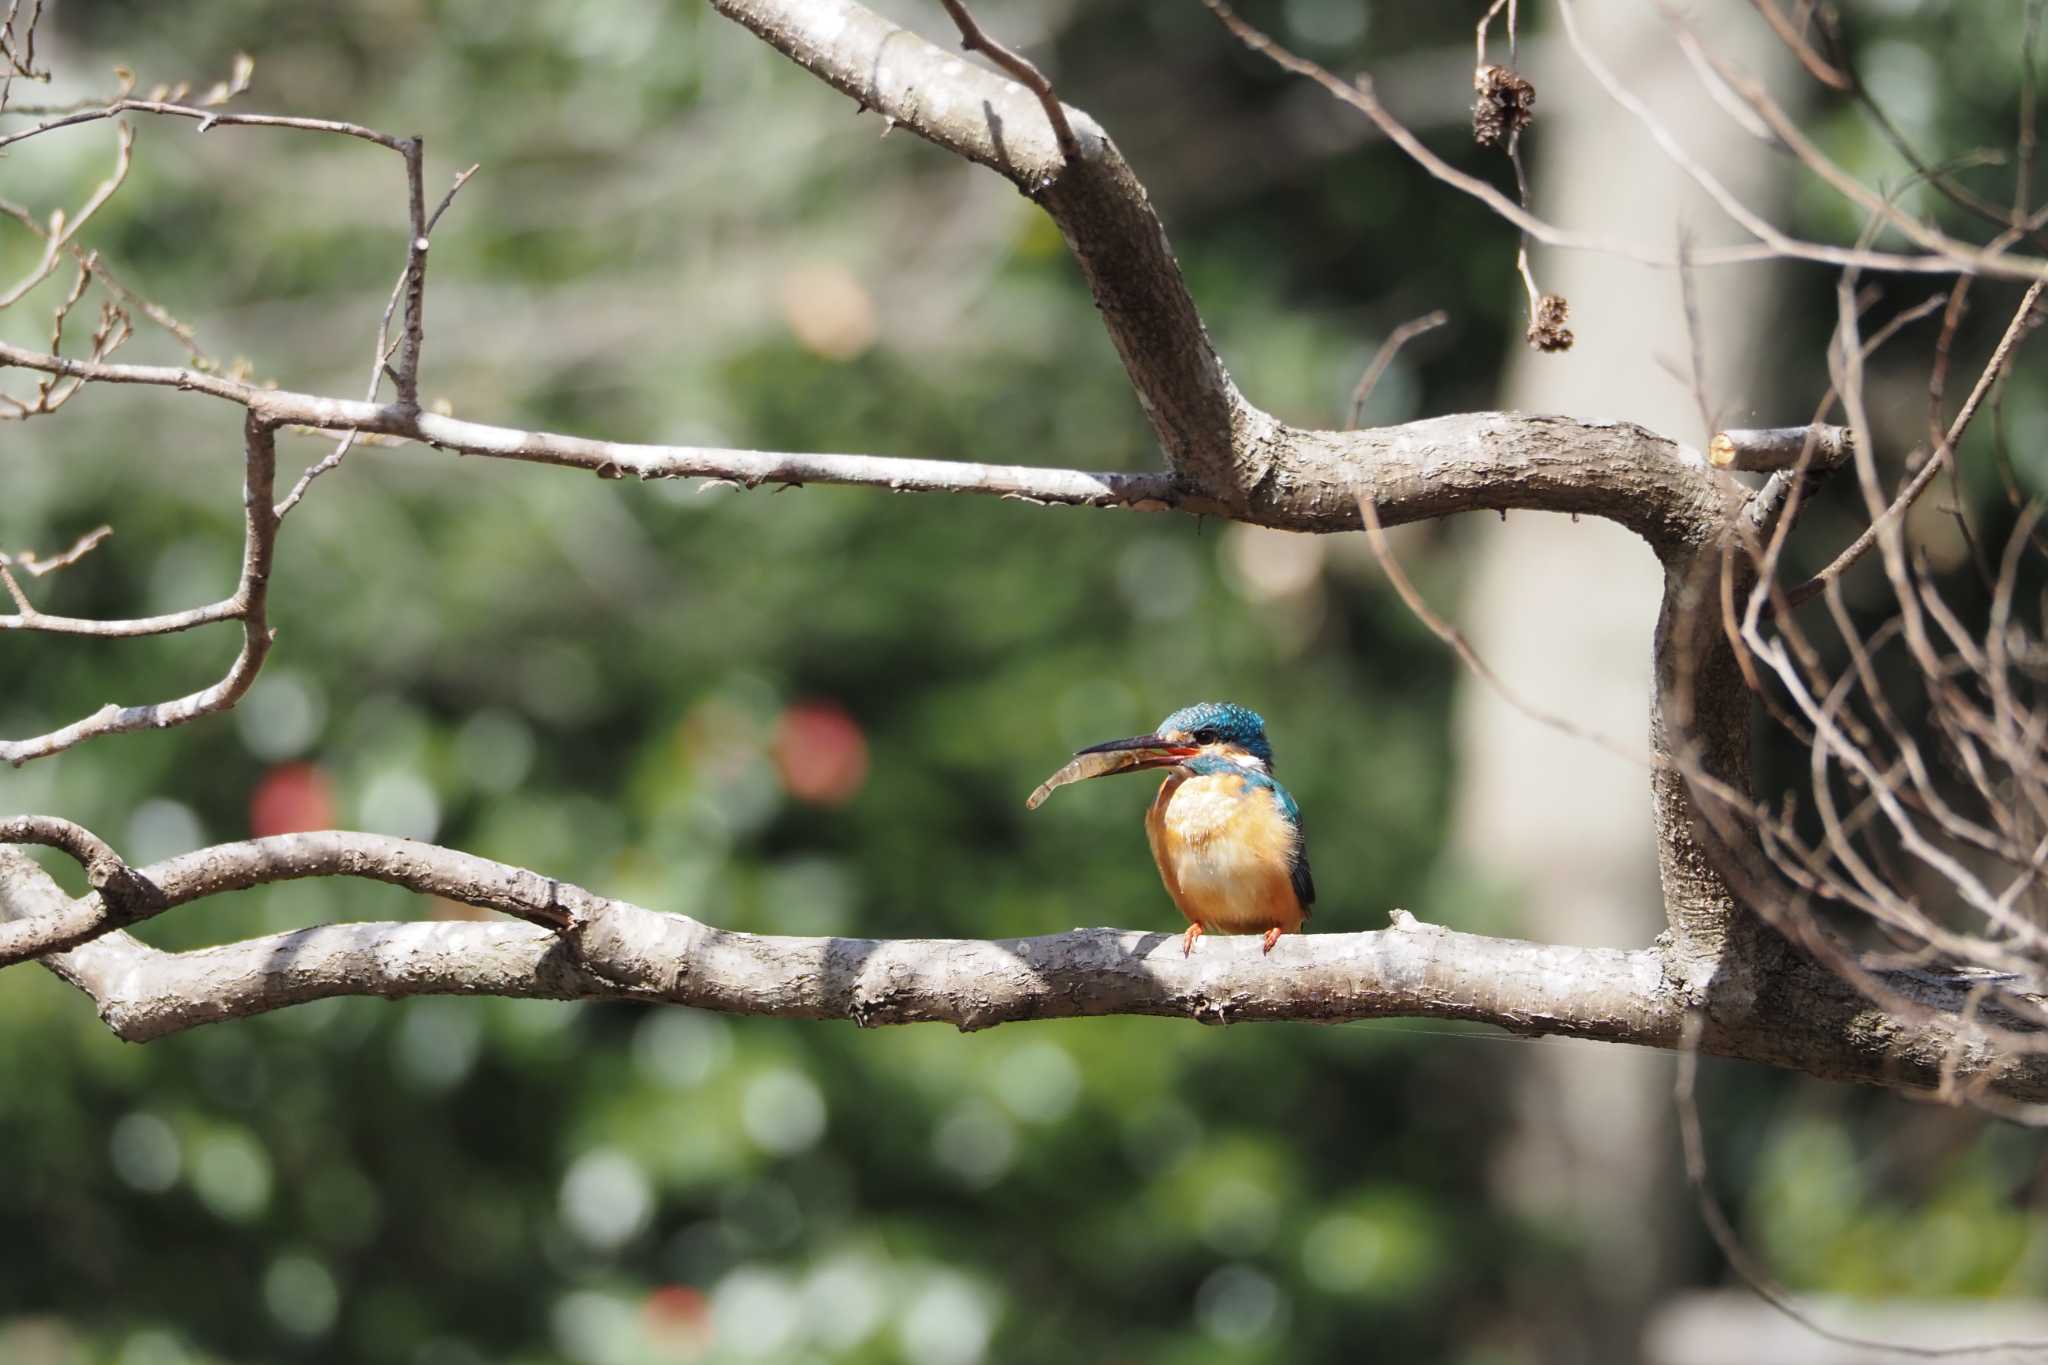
678 236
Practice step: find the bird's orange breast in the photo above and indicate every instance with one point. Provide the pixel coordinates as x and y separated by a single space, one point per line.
1224 848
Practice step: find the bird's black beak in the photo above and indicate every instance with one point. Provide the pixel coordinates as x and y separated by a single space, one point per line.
1142 751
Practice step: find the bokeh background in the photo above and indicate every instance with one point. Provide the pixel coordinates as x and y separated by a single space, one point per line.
817 711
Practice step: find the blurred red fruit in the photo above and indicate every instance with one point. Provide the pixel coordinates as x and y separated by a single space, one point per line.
821 753
678 1309
291 798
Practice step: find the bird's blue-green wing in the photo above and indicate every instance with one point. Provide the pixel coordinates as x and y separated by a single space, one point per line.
1297 864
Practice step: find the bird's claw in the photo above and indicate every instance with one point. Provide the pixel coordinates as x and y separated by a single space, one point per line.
1272 937
1187 940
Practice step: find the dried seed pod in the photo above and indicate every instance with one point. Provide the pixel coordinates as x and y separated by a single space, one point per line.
1547 331
1505 105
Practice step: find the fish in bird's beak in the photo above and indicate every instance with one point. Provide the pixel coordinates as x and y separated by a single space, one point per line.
1116 756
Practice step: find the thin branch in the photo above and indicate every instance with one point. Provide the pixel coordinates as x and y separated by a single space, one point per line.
2015 332
20 50
326 464
93 265
208 119
85 848
63 230
28 618
1360 96
1816 65
973 39
1771 243
1880 207
412 274
29 564
249 606
1459 645
461 179
1384 357
190 877
1695 339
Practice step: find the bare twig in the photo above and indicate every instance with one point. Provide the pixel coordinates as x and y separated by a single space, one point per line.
1816 65
1384 357
324 465
1771 243
1695 337
409 278
208 119
1462 647
29 564
93 265
63 230
248 605
2016 331
18 49
170 623
974 39
1880 207
1486 22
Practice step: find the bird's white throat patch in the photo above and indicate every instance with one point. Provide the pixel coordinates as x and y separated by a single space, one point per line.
1243 758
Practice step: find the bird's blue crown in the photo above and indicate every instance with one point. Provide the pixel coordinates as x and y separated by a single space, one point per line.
1222 722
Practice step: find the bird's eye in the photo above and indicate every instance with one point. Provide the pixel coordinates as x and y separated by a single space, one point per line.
1206 736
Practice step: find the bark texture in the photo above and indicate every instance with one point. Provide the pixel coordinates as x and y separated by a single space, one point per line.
580 946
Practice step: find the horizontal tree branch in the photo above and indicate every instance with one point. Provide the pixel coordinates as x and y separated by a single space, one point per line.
1308 480
584 946
227 609
207 119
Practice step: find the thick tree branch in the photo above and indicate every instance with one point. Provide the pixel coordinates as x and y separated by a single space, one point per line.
610 949
1302 480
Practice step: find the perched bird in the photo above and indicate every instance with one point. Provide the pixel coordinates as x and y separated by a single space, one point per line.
1226 836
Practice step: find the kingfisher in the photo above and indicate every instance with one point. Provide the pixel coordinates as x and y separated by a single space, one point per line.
1226 836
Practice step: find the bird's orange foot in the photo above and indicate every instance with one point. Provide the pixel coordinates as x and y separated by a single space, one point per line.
1272 937
1187 940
